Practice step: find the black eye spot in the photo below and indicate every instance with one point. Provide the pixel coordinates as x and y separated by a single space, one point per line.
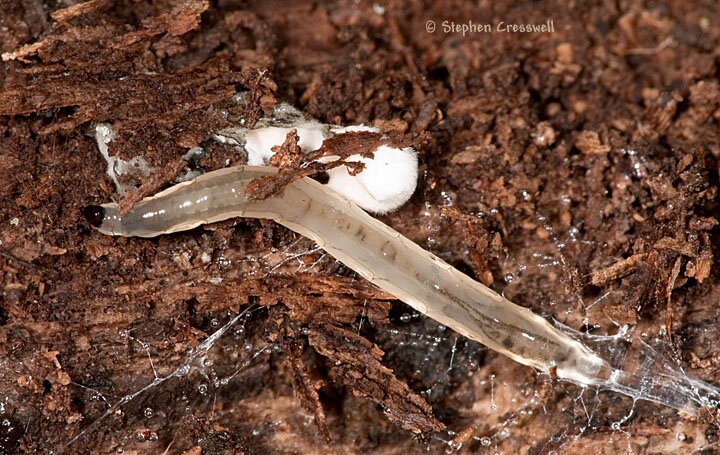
321 177
94 214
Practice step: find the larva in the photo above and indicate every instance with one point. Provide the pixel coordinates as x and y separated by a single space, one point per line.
375 251
397 265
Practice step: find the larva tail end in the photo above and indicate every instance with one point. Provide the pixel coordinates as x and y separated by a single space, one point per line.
95 214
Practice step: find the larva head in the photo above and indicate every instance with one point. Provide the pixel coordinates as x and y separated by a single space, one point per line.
104 218
95 215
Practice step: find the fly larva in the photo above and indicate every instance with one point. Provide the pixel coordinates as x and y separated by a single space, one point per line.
375 251
393 263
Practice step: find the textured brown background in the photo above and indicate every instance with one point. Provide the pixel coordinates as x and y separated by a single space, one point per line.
575 170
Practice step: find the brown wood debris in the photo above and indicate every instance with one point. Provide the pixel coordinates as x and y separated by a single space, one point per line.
355 362
617 270
589 142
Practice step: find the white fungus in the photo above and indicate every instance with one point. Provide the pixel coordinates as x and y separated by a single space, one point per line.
205 258
386 183
259 142
116 167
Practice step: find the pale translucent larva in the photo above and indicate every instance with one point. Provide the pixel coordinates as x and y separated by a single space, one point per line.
371 248
420 279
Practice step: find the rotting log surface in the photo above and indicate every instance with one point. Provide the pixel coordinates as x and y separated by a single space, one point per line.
575 170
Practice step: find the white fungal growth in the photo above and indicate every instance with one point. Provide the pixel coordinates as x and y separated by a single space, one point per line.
259 142
386 183
116 167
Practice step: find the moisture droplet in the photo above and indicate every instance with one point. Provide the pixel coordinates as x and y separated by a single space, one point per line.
405 317
153 436
446 199
214 323
202 389
485 441
149 412
615 426
509 277
455 445
248 347
681 437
